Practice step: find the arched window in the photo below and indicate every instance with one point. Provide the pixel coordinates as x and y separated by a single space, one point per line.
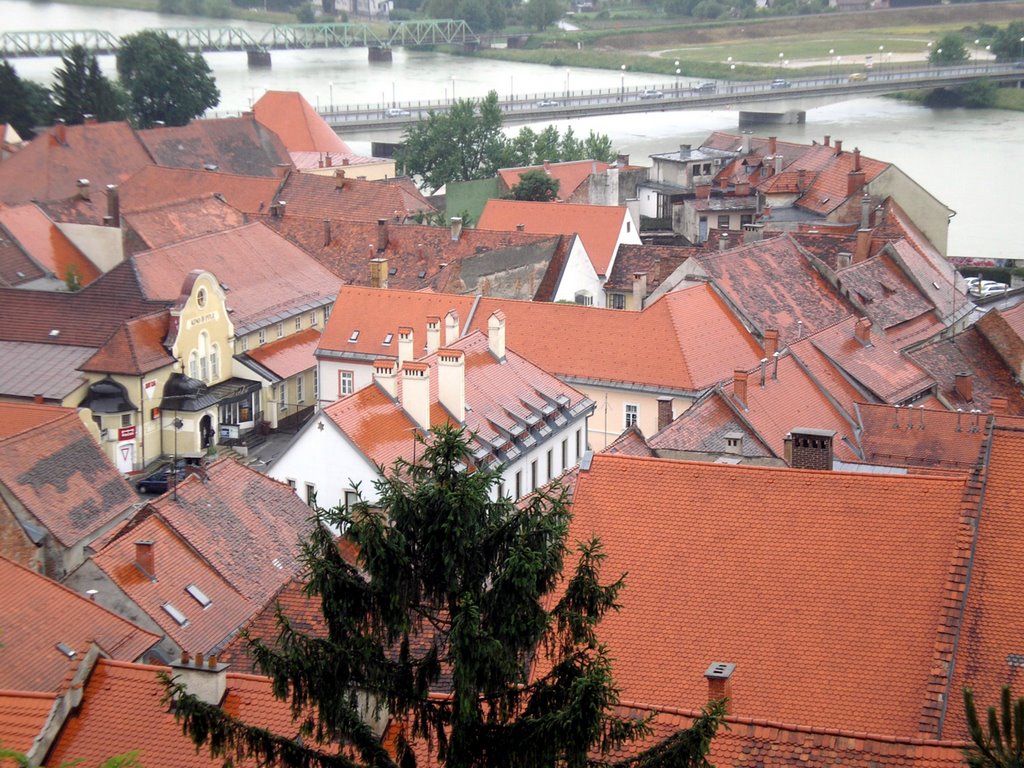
215 362
204 363
193 365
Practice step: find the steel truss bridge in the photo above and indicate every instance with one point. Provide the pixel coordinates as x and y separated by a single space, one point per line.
277 38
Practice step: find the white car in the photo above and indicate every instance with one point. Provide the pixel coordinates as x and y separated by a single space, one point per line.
987 288
397 113
651 94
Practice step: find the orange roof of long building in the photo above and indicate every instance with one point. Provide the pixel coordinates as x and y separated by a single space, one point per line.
297 124
46 244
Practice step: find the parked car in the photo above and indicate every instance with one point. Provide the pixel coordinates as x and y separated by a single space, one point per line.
397 113
972 282
160 480
858 76
707 88
649 93
778 82
549 103
987 288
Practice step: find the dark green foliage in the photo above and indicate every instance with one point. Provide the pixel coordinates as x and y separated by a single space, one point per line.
1006 44
442 218
537 186
685 749
23 103
980 94
305 14
542 13
164 82
1003 745
80 89
452 585
949 49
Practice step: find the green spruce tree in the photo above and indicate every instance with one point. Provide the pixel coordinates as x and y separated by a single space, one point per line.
1003 745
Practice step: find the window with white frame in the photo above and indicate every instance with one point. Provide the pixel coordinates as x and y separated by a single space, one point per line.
551 463
298 322
316 385
579 443
533 475
281 404
193 365
310 494
327 312
565 453
519 483
300 396
215 362
632 411
312 317
618 300
245 343
126 419
584 298
280 330
346 383
263 336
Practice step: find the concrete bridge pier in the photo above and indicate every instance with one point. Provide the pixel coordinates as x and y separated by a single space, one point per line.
378 53
789 117
259 58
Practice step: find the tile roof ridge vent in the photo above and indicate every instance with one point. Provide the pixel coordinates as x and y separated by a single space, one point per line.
204 678
862 331
719 677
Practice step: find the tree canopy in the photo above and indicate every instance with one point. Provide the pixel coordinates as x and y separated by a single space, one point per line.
164 82
1003 745
537 186
23 103
455 621
81 89
949 49
1006 43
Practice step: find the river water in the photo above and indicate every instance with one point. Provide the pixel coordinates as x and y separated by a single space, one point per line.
964 158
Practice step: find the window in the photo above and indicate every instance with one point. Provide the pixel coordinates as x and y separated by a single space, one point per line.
193 365
310 494
551 463
263 336
175 614
199 595
723 221
565 453
299 394
281 404
214 363
631 414
346 384
245 343
629 226
351 497
746 218
280 330
316 385
533 474
519 483
327 312
618 300
204 369
291 483
579 443
584 298
312 317
126 419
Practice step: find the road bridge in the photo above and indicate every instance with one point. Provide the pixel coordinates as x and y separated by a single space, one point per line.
764 101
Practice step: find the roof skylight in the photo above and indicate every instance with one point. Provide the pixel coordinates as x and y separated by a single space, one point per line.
175 614
388 338
199 595
354 337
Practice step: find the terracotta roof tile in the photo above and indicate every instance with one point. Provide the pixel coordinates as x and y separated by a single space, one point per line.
348 161
817 597
153 188
178 221
885 293
656 261
570 175
290 355
297 124
702 428
39 613
59 473
46 244
598 226
22 717
349 199
630 443
829 188
21 417
135 348
16 267
50 370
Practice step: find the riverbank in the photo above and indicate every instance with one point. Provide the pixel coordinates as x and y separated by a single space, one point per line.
152 6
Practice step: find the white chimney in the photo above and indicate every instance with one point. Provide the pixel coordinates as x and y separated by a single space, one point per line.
203 678
451 327
405 347
496 334
433 334
451 382
456 228
385 373
416 392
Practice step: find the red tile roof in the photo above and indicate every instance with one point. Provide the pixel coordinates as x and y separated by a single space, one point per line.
598 226
122 711
702 428
46 244
21 417
350 199
22 717
135 348
297 124
59 473
884 291
655 261
178 221
570 174
832 168
154 187
16 267
39 613
290 355
376 424
827 587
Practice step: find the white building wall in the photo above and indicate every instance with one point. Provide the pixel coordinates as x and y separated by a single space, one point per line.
579 275
329 371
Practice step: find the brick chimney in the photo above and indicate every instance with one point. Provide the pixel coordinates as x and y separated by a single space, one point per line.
773 145
451 382
863 248
451 327
456 228
433 334
639 289
734 443
114 205
205 679
963 385
828 140
385 373
496 334
416 392
865 211
771 342
327 232
999 406
739 386
378 272
809 448
60 132
144 558
839 146
719 677
801 179
856 159
664 412
339 179
382 235
406 350
702 191
862 331
855 181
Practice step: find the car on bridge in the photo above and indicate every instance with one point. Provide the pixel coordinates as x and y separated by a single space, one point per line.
397 113
650 93
548 103
778 82
858 76
706 88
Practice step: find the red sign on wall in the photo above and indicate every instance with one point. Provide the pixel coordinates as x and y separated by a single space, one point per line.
126 433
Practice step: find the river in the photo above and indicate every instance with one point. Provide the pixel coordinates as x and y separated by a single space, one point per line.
957 155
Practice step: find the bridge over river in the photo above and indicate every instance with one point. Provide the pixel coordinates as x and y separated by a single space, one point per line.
764 101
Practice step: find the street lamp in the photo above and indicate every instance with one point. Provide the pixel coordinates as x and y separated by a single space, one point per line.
453 89
831 56
677 80
331 86
976 44
394 100
567 83
622 84
1022 47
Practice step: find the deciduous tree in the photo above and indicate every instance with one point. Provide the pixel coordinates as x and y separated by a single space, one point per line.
23 104
949 49
164 82
80 89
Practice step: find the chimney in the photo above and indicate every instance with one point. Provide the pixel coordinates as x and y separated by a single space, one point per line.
856 158
382 235
327 232
328 162
742 188
406 351
451 327
416 392
771 342
862 331
865 211
863 248
114 205
385 373
766 214
520 227
809 448
719 677
496 334
801 179
339 179
60 132
144 559
753 233
778 163
772 145
378 273
843 259
854 182
723 241
828 140
702 191
684 150
839 146
456 228
734 443
83 188
433 334
451 382
664 412
963 385
38 399
745 145
639 289
739 386
207 680
999 406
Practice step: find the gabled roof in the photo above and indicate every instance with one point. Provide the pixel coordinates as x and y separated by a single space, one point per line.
50 370
178 221
22 716
154 188
136 347
832 169
177 566
570 174
598 226
290 355
828 587
16 267
655 261
774 286
63 478
884 291
349 199
39 614
49 168
376 424
702 428
121 711
46 244
268 278
297 124
232 144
